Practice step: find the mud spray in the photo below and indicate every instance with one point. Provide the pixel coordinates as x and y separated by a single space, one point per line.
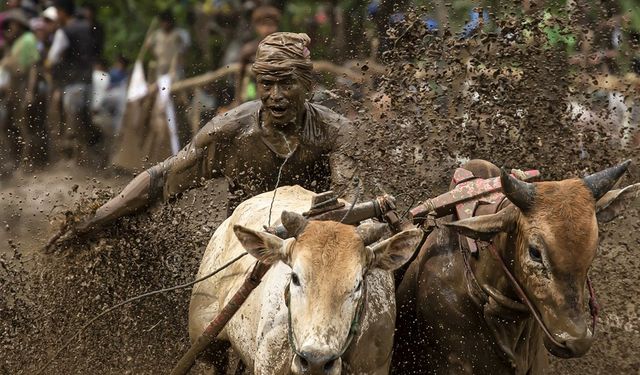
504 96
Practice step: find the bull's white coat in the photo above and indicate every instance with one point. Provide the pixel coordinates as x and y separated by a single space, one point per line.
258 331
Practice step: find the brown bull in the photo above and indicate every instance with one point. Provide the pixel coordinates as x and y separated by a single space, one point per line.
457 319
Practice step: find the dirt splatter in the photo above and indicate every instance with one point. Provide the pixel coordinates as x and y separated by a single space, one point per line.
504 96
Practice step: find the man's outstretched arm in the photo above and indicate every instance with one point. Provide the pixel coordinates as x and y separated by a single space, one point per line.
188 169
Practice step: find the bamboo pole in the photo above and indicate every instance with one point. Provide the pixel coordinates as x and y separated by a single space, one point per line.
318 66
213 329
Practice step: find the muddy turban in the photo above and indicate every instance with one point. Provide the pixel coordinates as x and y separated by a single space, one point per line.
283 54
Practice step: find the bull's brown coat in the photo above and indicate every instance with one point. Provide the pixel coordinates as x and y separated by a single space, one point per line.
446 326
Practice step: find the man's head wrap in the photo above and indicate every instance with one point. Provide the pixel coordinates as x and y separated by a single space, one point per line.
283 54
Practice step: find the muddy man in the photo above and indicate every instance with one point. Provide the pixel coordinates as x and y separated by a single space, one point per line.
251 143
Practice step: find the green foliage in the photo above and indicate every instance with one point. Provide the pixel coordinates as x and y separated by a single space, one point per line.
632 9
126 21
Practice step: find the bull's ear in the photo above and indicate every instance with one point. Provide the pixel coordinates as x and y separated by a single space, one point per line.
486 226
263 246
614 202
392 253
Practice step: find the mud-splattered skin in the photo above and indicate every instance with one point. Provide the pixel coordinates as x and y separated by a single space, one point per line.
326 270
447 326
282 138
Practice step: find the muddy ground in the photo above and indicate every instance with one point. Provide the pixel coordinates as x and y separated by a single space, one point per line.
46 298
409 148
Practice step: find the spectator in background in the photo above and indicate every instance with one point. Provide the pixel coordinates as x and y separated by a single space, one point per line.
17 138
22 52
109 98
265 20
44 27
478 18
118 74
116 99
70 59
29 7
88 12
168 44
8 6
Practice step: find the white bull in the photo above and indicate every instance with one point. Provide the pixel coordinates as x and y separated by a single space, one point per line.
325 270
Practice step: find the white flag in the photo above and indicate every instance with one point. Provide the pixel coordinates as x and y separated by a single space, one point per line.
138 87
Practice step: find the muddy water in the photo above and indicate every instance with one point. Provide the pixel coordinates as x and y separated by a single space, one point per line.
433 118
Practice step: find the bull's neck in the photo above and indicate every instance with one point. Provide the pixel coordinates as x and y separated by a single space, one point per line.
489 272
517 333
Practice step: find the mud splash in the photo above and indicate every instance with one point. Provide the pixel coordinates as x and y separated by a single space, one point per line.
503 96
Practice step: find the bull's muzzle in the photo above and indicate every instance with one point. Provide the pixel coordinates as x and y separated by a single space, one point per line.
316 362
574 342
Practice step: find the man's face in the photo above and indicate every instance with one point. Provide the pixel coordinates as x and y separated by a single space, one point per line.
11 30
166 26
63 17
282 98
265 27
50 26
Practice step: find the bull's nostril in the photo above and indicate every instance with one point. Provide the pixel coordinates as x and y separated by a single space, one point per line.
304 363
329 365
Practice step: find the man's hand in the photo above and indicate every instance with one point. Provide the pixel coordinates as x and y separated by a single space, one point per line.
71 228
134 197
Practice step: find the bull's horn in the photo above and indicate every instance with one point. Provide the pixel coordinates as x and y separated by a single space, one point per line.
520 193
601 182
293 222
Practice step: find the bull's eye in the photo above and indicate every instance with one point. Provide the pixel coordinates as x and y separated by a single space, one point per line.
534 253
294 279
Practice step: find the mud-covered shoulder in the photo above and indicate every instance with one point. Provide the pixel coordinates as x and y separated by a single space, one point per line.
328 126
229 124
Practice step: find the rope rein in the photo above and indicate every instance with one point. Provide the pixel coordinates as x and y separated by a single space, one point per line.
356 196
286 159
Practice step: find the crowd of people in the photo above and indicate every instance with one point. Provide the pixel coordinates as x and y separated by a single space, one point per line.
47 71
61 99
